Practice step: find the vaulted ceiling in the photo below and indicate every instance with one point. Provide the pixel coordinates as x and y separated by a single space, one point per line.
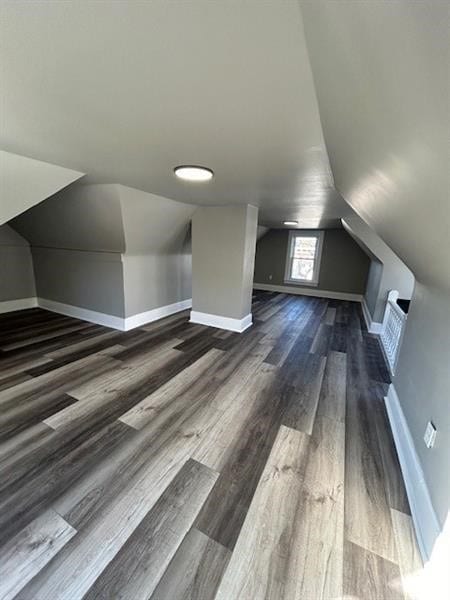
382 81
124 91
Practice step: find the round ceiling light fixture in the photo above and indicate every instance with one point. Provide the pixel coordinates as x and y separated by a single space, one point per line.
290 222
193 173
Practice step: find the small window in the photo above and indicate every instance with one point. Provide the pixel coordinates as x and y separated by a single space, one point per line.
303 257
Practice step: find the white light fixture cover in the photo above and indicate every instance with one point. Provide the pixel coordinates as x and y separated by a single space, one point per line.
193 173
290 222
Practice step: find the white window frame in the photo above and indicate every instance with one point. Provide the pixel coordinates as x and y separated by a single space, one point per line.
294 233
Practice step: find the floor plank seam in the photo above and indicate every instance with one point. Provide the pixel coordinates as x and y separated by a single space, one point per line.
287 416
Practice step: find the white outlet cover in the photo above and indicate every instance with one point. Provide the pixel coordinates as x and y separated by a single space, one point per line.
430 435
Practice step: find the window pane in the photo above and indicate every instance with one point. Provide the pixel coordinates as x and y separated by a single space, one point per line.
305 247
302 268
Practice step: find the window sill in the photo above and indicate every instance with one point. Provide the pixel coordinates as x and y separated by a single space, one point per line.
301 283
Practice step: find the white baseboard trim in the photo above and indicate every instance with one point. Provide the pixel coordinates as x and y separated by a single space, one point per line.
156 313
372 326
120 323
19 304
228 323
83 313
426 523
308 291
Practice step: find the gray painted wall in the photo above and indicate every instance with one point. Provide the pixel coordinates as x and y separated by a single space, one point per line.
152 281
422 382
385 114
344 266
223 252
92 280
250 234
387 272
373 287
158 259
77 238
16 266
110 248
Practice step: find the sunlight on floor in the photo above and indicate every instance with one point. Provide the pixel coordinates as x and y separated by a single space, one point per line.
433 581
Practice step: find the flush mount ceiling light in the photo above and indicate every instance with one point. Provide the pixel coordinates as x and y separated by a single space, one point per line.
290 222
193 173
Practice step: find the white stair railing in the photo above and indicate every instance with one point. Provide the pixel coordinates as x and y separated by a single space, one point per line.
392 330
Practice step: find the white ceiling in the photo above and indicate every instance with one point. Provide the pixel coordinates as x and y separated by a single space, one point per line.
126 90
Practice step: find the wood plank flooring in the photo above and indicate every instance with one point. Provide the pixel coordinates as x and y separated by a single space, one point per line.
177 461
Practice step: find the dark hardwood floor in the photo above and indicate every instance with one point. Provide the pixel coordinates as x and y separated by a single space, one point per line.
178 461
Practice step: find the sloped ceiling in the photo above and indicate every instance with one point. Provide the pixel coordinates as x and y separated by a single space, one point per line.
381 75
82 217
397 275
125 91
25 182
387 272
153 224
107 218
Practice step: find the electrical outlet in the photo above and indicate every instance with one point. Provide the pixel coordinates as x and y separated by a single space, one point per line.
270 277
430 435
